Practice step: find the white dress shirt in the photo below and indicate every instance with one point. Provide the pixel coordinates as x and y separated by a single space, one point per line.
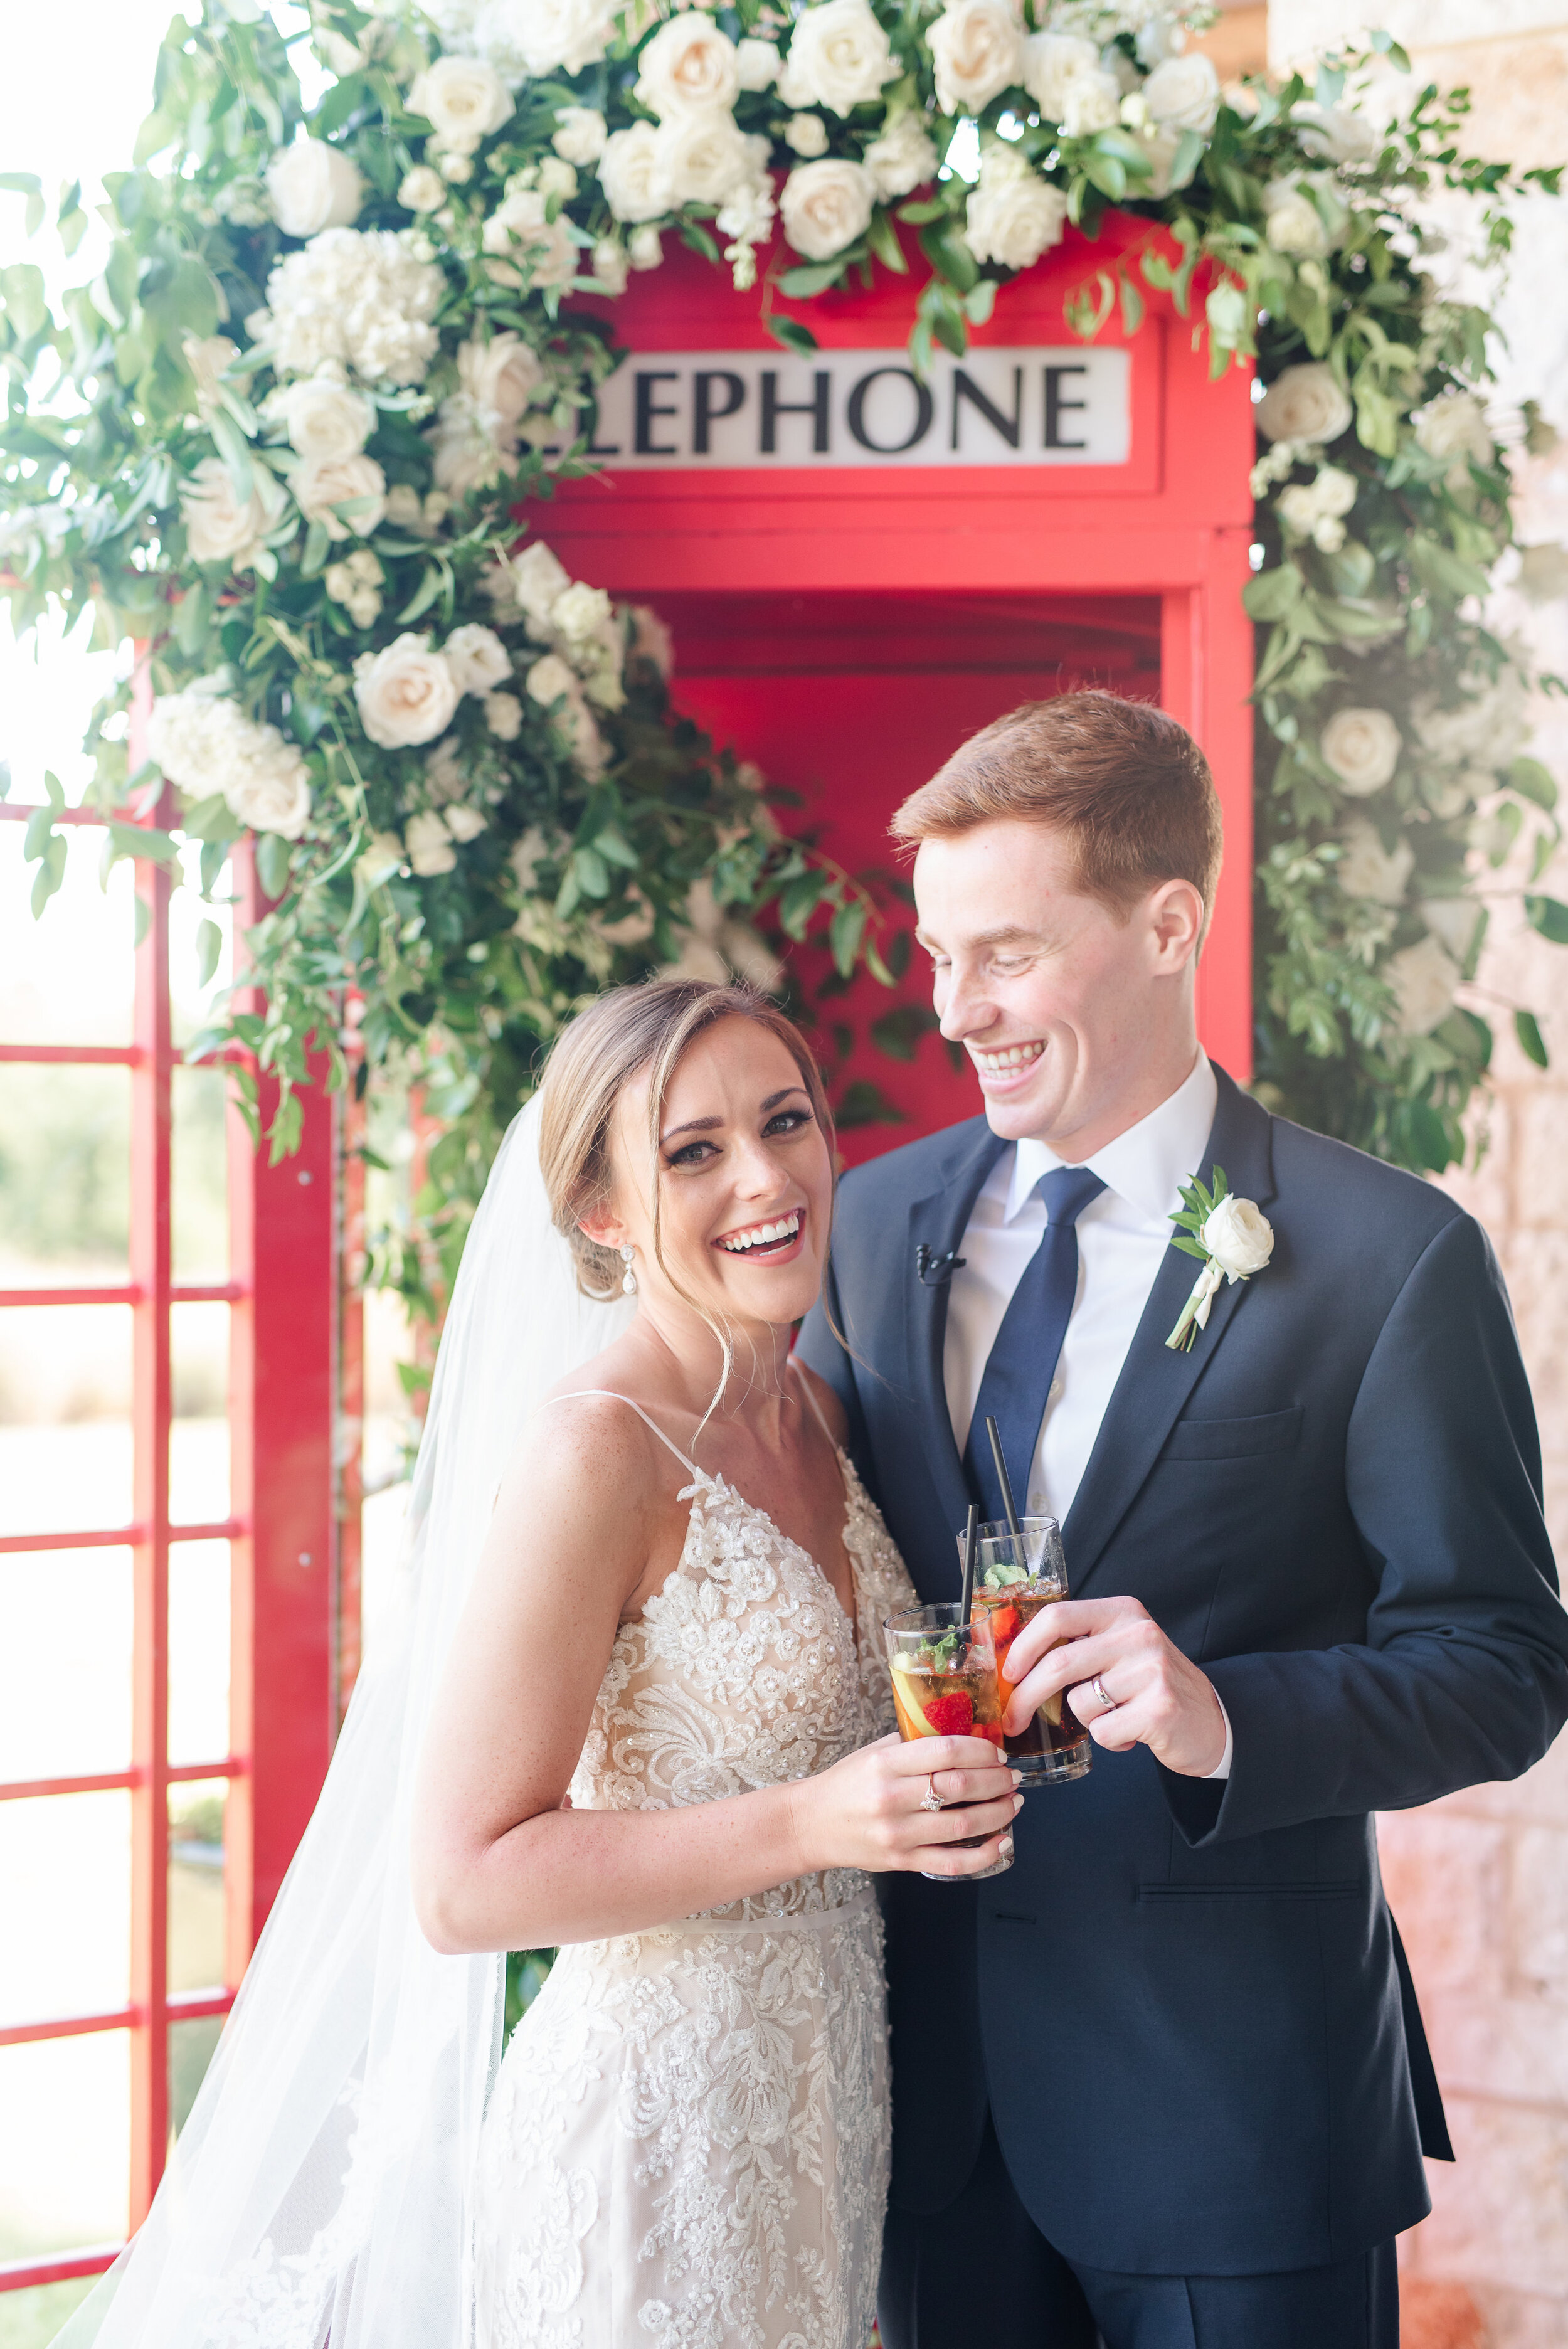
1123 1237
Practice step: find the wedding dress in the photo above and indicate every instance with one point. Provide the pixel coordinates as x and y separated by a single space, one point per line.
687 2145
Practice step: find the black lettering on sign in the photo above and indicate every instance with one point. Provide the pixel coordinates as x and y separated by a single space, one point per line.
1056 406
1007 426
705 415
924 407
648 408
816 408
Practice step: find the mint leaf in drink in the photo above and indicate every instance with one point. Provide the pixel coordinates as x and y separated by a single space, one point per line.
1004 1575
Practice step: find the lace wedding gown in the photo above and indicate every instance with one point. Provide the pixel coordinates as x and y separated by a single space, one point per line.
688 2143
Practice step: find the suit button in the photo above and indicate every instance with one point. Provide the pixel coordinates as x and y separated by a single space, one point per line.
1055 1389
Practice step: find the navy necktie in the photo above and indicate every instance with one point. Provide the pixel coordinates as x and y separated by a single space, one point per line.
1022 1362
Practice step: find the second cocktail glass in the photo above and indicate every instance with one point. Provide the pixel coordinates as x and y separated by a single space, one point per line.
945 1685
1014 1577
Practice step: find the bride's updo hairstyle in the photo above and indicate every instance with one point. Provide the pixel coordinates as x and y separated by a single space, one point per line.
623 1035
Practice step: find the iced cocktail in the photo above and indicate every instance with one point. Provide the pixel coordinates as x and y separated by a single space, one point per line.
945 1685
1014 1577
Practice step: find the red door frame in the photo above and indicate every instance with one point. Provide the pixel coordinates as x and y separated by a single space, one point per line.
284 1335
1174 521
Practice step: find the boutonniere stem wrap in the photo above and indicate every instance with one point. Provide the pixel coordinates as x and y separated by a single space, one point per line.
1232 1238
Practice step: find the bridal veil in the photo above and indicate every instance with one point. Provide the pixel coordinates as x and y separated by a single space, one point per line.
319 2189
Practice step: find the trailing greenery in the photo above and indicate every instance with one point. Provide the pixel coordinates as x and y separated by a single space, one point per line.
283 436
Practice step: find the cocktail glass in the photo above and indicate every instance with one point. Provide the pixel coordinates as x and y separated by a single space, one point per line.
945 1685
1014 1576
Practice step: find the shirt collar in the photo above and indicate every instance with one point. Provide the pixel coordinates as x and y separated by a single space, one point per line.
1148 1165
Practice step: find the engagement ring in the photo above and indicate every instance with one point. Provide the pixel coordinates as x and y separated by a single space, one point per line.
930 1800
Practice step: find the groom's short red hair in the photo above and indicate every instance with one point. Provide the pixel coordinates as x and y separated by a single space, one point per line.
1126 785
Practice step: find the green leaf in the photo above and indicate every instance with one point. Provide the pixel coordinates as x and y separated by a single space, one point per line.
230 444
791 334
799 901
799 285
1531 779
844 934
865 1103
51 873
209 946
272 856
592 873
1530 1041
1271 593
923 210
898 1032
424 596
880 236
1550 916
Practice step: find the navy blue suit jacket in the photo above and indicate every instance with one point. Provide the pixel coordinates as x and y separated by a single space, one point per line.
1186 2005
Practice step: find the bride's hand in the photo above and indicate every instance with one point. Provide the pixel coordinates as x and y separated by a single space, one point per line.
867 1810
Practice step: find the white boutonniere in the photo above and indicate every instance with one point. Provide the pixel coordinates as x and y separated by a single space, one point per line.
1232 1237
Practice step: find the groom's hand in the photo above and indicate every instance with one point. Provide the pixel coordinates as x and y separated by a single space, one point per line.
1156 1696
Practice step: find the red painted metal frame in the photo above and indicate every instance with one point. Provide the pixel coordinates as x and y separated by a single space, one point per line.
284 1694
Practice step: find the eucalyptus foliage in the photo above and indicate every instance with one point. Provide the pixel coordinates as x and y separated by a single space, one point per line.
444 898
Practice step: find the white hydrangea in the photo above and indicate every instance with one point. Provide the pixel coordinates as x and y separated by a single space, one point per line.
1368 870
1316 510
363 297
1423 978
903 157
204 742
580 134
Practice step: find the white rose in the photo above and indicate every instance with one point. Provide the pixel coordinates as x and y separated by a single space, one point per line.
550 680
428 844
688 66
1094 103
756 65
501 376
978 51
1453 921
580 134
1333 134
314 186
628 173
807 134
503 715
1239 1238
1293 223
272 793
1334 489
472 446
580 613
463 99
838 57
652 641
406 693
322 415
1423 978
477 658
698 159
1012 217
825 206
544 246
466 823
1366 869
1184 93
421 190
1297 509
1362 748
321 484
644 248
903 158
1454 425
1304 403
526 38
219 527
539 580
1053 62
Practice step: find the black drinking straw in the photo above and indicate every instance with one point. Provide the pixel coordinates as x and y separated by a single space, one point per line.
969 1549
1012 1515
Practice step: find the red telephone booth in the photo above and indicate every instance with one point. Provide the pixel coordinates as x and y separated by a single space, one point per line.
861 567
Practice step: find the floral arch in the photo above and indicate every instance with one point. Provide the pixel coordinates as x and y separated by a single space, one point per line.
283 436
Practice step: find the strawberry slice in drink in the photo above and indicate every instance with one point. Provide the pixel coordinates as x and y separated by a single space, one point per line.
950 1716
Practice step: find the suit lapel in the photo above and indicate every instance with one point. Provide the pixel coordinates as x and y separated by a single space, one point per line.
1155 1383
939 1219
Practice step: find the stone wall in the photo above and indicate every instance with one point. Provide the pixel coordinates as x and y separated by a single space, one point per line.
1479 1882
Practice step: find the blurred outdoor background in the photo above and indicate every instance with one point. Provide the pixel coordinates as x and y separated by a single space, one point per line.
1480 1883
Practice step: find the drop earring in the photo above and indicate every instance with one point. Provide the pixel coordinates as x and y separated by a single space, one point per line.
629 1279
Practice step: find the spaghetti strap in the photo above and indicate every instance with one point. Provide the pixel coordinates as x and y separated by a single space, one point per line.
609 1395
799 1369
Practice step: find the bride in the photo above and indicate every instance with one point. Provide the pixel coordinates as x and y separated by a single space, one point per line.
638 1709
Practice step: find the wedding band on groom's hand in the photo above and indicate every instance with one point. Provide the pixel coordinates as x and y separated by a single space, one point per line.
1103 1694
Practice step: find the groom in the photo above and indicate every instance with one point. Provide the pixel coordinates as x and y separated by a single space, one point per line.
1166 2078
